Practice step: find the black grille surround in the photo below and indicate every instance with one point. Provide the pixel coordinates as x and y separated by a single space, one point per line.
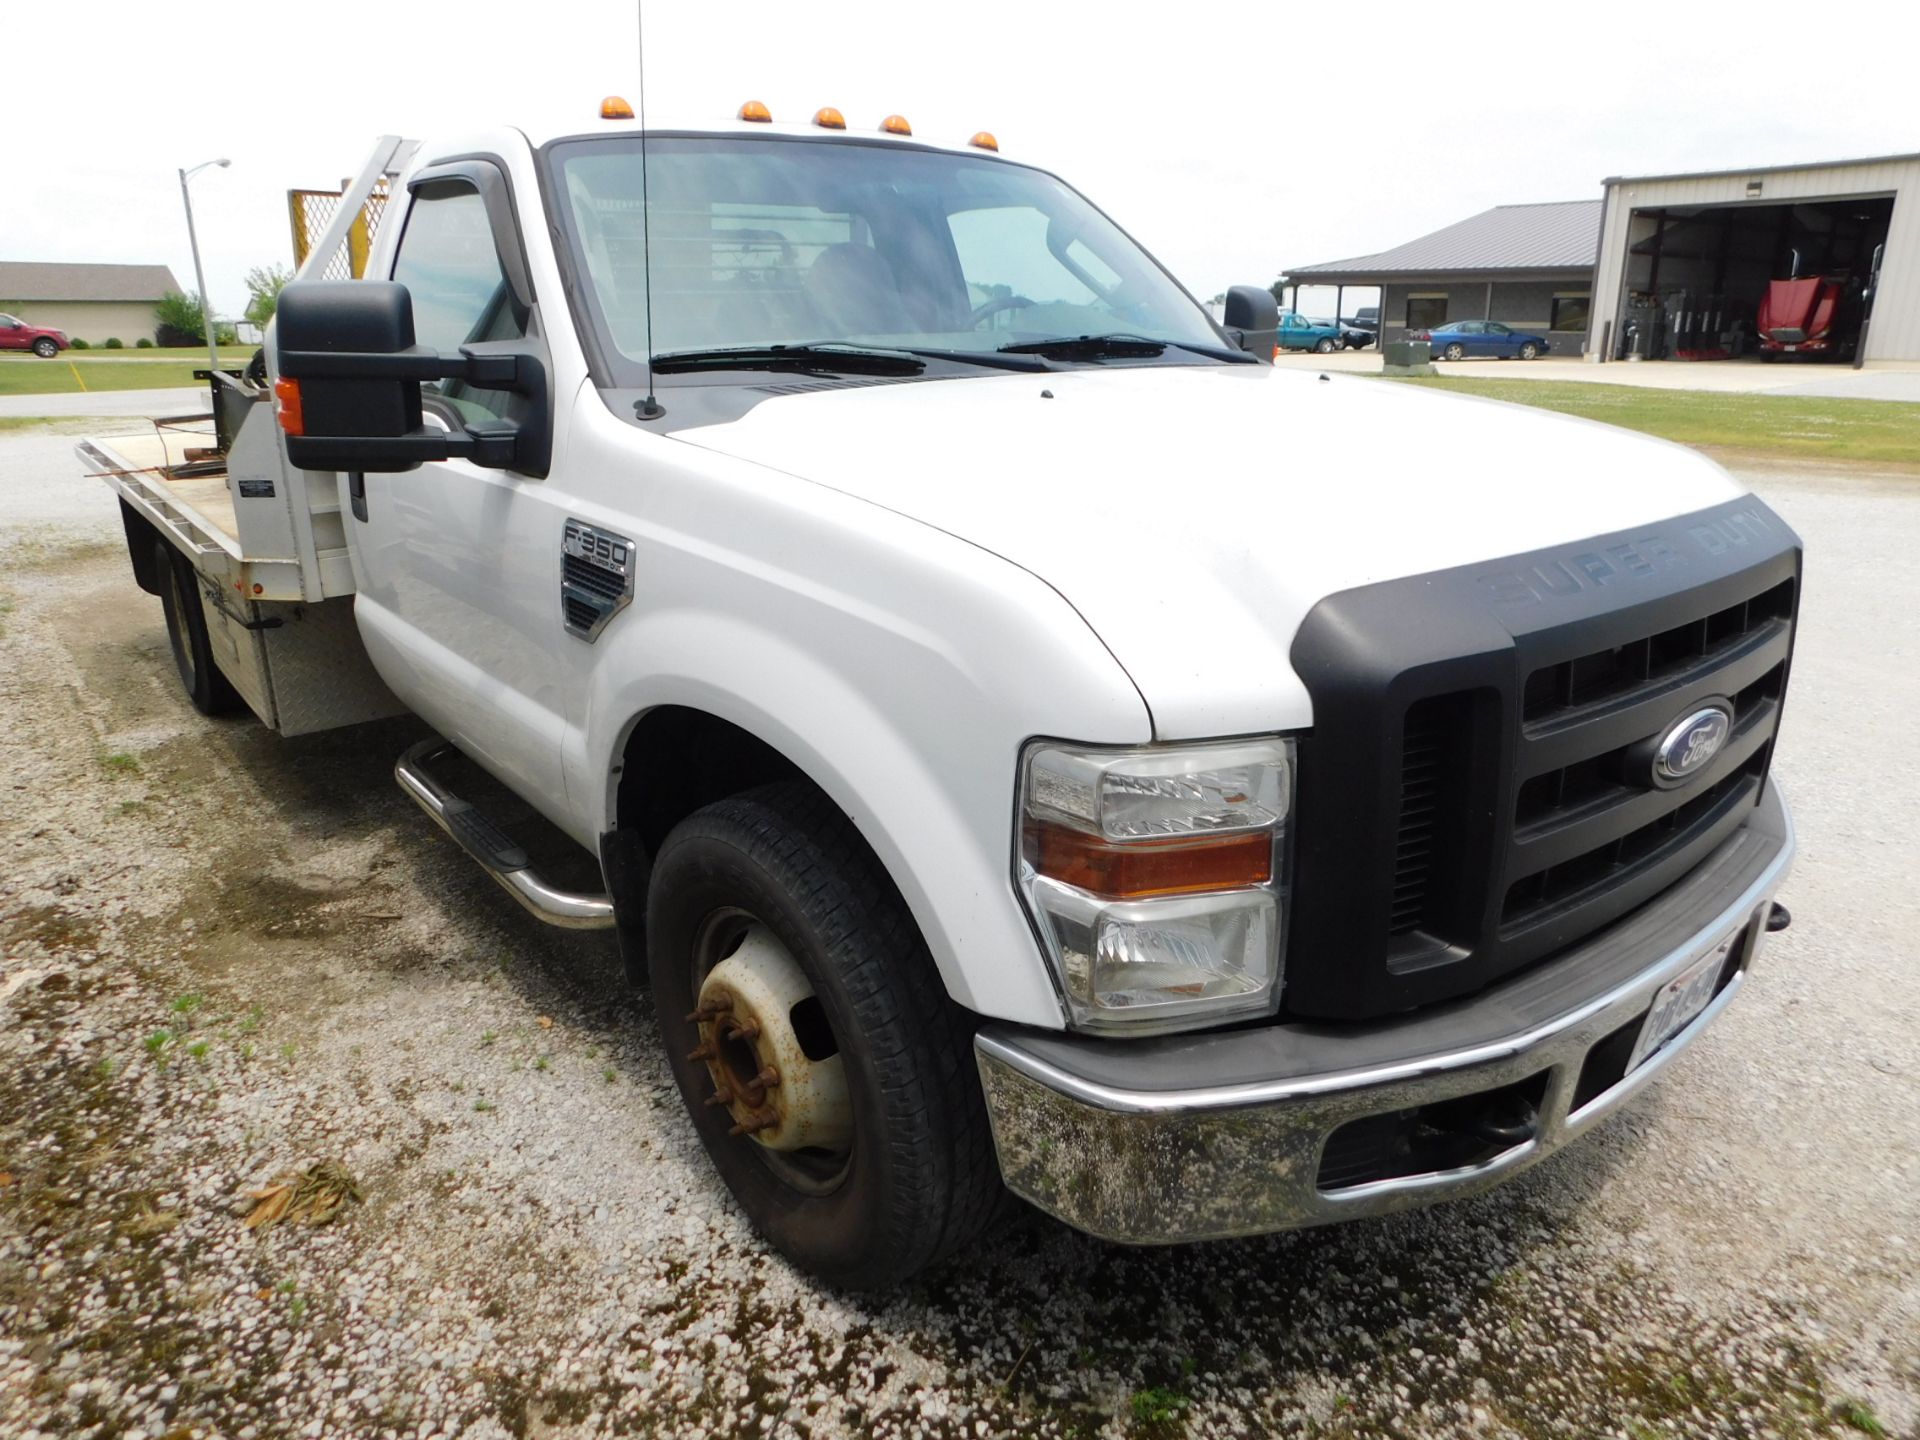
1476 793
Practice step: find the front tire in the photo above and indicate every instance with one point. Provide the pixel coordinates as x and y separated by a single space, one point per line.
45 348
913 1176
1529 351
211 692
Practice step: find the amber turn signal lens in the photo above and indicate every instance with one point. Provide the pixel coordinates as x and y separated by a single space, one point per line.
896 125
286 395
983 140
828 118
614 108
753 110
1150 867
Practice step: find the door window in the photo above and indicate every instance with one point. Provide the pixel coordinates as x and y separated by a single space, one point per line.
450 267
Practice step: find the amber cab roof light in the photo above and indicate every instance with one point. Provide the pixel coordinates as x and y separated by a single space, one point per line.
615 108
896 125
983 140
753 110
828 118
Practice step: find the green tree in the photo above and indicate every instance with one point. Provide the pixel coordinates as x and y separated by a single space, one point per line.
264 284
177 320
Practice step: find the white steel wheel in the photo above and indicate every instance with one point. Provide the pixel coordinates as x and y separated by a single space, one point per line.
770 1053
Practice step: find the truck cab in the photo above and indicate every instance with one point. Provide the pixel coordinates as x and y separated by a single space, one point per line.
1008 770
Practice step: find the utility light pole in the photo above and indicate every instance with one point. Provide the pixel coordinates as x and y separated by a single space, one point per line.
199 276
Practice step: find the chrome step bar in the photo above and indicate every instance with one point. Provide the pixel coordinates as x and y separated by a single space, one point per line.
490 848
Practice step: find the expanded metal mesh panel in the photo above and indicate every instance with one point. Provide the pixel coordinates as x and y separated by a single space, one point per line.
311 211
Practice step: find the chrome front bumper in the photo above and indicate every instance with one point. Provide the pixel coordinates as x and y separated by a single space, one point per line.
1204 1136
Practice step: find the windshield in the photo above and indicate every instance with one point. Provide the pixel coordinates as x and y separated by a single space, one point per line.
763 242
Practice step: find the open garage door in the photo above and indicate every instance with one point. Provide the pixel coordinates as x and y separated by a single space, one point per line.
1699 281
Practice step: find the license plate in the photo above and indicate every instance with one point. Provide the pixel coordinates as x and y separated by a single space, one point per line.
1680 1001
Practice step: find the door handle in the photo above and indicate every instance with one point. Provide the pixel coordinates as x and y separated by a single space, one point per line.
357 493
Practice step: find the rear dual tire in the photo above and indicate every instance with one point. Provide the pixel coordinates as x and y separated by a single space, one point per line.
179 584
918 1179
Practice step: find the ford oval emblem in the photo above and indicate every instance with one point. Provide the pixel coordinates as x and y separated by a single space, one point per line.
1690 745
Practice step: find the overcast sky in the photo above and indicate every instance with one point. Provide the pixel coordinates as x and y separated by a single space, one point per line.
1233 139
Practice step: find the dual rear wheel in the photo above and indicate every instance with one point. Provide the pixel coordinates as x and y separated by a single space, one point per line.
211 692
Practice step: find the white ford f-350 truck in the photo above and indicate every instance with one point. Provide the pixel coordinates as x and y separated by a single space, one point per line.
1010 767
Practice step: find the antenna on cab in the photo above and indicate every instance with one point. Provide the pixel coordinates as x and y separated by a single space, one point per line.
648 408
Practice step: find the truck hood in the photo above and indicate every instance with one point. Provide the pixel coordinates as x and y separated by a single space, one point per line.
1193 515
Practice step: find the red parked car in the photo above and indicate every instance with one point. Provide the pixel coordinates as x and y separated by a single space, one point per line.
16 334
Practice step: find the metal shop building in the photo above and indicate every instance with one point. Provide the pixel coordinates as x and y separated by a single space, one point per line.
1681 249
1527 266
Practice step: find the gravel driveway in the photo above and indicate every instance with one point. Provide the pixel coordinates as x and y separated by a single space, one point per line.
228 957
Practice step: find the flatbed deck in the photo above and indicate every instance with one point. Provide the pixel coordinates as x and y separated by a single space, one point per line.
157 456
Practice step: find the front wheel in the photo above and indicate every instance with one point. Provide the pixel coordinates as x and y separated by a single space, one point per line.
1454 352
825 1069
45 348
1529 351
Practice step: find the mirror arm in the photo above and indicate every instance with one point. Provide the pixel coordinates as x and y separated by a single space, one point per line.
495 444
490 370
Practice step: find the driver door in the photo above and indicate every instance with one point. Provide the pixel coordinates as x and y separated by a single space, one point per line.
460 593
12 334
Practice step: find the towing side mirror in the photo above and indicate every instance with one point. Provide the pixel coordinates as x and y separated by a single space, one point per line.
1253 319
349 387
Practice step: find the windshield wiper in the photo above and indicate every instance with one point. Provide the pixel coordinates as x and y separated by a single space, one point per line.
1117 347
1089 347
825 359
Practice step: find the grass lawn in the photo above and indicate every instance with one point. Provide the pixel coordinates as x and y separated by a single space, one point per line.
1878 431
71 374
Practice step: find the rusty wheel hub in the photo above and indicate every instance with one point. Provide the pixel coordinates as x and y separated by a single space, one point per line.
780 1095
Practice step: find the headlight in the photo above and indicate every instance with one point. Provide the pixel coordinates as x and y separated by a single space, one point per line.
1155 875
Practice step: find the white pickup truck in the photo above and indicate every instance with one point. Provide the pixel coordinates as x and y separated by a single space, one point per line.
1011 766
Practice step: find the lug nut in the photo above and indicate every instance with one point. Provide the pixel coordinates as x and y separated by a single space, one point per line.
746 1030
702 1051
768 1076
758 1121
722 1096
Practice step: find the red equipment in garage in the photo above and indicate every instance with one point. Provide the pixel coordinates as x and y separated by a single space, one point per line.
1801 317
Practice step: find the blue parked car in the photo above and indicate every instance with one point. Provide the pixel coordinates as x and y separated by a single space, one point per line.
1464 338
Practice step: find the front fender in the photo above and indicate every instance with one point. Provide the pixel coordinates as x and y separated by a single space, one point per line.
900 668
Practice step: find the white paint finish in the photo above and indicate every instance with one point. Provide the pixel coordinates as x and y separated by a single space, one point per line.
1895 333
1194 515
897 585
900 668
459 566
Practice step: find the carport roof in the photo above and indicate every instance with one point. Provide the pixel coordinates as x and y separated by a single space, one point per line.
1559 235
53 280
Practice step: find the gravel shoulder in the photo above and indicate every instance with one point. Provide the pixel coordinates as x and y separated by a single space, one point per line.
224 957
